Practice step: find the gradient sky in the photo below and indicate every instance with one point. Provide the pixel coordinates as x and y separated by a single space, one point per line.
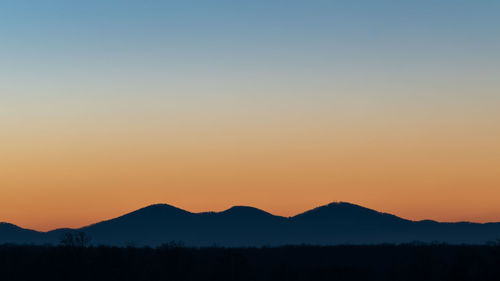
109 106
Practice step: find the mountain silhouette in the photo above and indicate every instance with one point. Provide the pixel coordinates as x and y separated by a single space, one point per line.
14 234
241 226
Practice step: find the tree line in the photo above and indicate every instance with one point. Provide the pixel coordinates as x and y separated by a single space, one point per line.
76 259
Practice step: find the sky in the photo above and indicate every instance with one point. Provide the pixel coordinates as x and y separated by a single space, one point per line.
109 106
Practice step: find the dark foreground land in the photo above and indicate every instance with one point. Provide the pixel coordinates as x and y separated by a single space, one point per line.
174 262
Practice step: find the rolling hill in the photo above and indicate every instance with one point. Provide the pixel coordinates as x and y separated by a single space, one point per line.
240 226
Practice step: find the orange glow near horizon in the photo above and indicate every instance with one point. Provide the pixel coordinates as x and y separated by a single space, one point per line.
441 168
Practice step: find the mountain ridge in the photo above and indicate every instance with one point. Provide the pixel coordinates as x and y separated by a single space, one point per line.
242 226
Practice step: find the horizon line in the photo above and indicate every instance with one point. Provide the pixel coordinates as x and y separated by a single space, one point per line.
245 206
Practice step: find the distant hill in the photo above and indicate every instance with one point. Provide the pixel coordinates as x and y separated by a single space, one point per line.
239 226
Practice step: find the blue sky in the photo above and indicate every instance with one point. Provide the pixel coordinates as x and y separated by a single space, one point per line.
295 41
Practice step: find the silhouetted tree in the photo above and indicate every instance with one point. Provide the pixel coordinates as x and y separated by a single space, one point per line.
82 239
75 239
67 239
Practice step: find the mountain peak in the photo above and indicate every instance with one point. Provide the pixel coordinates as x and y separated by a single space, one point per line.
344 211
338 205
159 207
343 204
245 210
155 212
